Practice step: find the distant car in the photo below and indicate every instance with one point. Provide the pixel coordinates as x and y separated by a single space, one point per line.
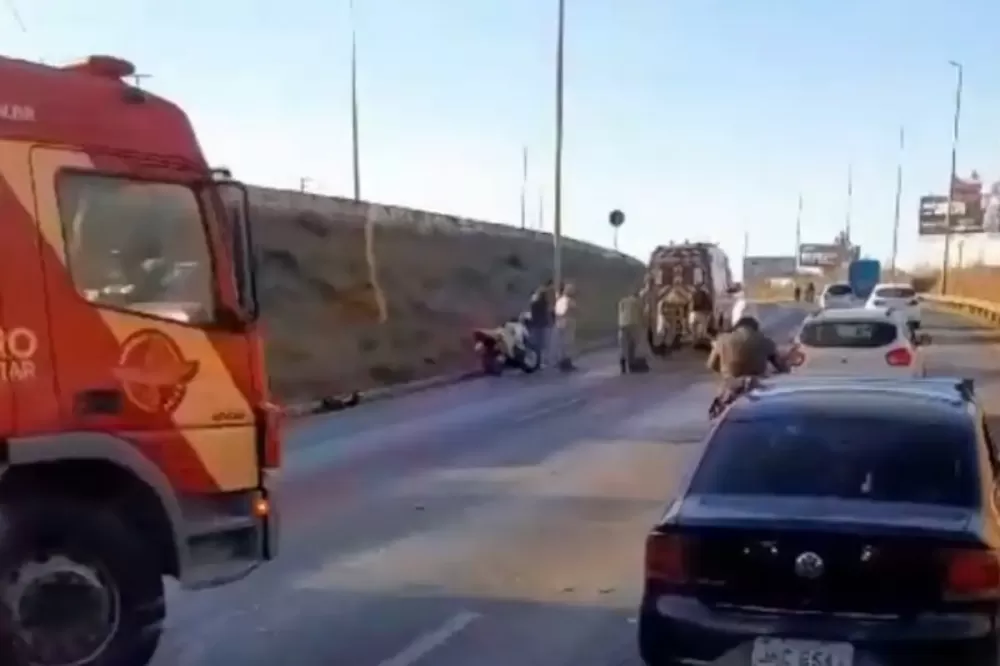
866 342
899 296
837 295
843 522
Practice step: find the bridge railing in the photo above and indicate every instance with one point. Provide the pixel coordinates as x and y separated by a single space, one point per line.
987 311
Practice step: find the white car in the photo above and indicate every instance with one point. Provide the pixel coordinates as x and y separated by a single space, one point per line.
869 342
901 297
837 295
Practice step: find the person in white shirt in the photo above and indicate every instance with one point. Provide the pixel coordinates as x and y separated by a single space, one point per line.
565 328
744 308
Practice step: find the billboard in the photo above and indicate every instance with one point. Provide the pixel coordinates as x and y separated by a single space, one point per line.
768 268
821 255
968 209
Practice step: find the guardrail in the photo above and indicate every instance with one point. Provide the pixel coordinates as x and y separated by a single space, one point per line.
976 307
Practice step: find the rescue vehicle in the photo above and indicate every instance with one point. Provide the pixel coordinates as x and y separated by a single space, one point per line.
137 439
675 271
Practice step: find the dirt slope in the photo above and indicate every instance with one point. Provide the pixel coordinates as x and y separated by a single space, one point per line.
441 276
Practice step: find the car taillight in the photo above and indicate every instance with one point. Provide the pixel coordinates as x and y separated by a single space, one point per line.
795 356
971 574
899 357
666 558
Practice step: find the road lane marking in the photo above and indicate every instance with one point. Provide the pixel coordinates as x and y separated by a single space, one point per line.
545 410
425 644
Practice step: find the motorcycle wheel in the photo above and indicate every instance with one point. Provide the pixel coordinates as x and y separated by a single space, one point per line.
531 361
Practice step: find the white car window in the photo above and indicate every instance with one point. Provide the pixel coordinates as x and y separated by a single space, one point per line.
838 290
855 334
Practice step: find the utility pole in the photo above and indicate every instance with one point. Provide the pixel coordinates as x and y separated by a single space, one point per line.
899 195
951 177
355 148
305 180
541 211
850 204
557 194
524 187
746 245
798 231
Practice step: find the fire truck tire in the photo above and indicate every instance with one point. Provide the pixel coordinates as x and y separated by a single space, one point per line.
53 541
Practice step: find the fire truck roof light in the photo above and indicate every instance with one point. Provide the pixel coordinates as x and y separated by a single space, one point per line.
104 66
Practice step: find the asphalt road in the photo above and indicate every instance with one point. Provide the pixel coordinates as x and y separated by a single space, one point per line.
490 523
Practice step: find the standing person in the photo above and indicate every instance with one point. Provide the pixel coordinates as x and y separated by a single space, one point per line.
702 313
629 334
540 325
565 329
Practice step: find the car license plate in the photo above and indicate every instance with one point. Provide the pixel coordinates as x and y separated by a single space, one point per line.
789 652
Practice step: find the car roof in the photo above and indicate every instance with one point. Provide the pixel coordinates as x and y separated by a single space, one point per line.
874 314
913 400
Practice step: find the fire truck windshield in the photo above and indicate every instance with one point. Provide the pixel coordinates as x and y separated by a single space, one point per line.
137 245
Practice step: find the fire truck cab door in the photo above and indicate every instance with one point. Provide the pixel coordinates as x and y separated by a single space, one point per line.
132 287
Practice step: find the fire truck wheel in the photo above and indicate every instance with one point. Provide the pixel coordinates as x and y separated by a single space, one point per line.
78 585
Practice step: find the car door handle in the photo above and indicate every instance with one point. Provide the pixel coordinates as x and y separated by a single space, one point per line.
94 402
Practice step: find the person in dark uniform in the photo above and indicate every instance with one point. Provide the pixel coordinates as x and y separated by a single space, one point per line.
810 292
540 323
741 357
745 352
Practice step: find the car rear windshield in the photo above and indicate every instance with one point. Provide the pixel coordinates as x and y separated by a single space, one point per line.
839 290
879 459
895 292
854 334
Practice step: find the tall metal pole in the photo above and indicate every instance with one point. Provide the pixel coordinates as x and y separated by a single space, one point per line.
557 193
541 211
355 149
951 179
746 245
899 195
850 204
524 187
798 231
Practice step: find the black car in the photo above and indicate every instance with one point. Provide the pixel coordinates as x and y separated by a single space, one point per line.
832 522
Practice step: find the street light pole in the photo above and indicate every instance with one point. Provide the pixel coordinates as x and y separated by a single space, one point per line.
951 177
524 187
798 232
355 149
850 205
899 195
557 193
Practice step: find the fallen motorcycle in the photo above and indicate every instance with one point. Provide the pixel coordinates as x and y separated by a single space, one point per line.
506 347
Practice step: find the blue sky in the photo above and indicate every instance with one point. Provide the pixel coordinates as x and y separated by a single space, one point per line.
699 118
